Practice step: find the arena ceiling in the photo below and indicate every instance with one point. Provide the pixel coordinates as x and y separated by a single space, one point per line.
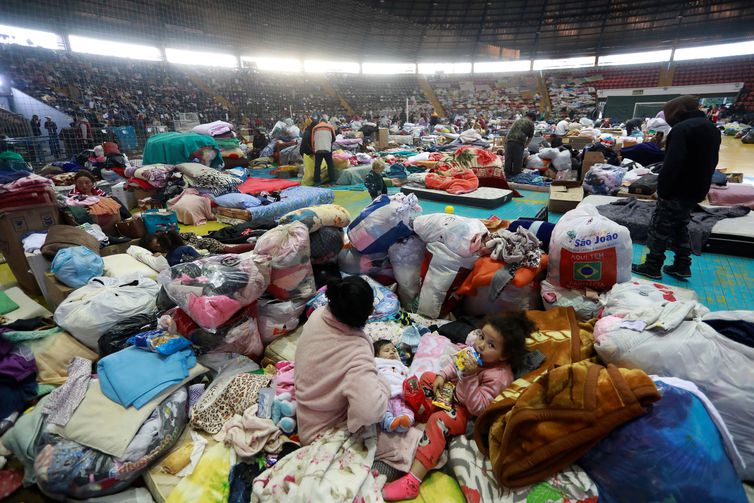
397 30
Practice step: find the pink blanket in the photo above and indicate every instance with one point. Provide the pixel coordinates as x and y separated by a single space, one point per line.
732 194
453 180
255 186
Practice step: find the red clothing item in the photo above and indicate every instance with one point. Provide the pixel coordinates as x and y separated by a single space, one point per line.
440 425
453 180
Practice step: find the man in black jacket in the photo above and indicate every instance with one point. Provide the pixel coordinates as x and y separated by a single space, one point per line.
691 156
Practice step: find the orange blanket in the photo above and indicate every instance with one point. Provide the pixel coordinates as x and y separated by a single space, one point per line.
485 268
452 179
563 415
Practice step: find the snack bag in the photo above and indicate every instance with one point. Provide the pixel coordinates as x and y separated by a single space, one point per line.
445 396
465 359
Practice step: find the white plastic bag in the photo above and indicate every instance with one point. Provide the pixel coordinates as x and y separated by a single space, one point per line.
562 161
462 235
90 311
406 257
548 153
588 250
277 318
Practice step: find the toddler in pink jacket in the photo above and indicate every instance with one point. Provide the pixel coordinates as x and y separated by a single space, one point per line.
399 416
501 345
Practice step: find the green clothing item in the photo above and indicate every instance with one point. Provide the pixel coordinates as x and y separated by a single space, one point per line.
522 131
30 334
12 161
6 304
228 143
176 148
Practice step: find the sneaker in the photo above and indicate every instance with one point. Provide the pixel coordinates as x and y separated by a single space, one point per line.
677 271
646 271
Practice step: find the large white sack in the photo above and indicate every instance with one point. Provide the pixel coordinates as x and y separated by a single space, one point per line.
588 250
444 267
406 257
462 235
721 367
90 311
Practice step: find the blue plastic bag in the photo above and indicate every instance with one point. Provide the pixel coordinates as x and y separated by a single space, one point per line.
673 453
76 265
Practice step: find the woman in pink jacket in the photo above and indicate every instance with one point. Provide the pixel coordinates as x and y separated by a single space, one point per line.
336 377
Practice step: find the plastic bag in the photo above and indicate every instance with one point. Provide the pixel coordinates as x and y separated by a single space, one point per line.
278 318
562 161
213 289
386 220
287 246
554 296
316 217
603 179
548 153
90 311
462 235
589 251
76 265
535 162
374 265
159 341
406 257
386 304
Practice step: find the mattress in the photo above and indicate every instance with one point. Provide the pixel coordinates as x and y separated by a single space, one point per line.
293 198
483 197
731 236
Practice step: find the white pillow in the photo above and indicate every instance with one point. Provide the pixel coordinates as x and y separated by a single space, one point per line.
156 262
122 263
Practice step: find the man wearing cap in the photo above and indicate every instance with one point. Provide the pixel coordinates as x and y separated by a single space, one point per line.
691 156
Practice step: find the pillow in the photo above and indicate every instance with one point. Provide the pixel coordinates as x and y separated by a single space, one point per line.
53 354
316 217
27 307
122 263
156 262
237 200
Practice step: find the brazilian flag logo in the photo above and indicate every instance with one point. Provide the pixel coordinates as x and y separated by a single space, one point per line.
587 271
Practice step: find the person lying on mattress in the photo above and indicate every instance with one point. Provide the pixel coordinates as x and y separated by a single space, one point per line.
171 245
501 345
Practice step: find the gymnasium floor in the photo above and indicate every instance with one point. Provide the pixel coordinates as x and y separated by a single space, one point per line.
722 282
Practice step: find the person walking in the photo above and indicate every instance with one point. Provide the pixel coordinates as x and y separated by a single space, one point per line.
691 155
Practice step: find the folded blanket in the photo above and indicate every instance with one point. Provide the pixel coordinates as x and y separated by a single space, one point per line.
134 376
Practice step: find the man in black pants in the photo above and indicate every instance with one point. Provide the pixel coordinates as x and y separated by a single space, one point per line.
323 136
519 137
691 156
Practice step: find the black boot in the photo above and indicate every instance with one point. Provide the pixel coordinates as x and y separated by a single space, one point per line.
678 271
647 270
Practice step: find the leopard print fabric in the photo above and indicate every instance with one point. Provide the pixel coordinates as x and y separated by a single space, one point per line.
221 403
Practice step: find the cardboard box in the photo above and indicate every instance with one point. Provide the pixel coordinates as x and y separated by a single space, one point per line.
56 291
565 196
383 135
14 225
590 159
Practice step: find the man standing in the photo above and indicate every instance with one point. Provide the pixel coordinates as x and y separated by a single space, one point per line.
323 136
35 126
52 133
691 156
519 137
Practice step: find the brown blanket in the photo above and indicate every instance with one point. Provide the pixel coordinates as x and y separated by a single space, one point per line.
558 418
